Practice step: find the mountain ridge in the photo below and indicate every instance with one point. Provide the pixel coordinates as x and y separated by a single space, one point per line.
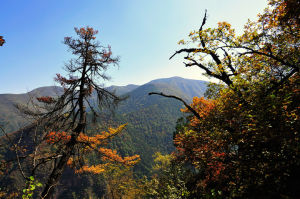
184 88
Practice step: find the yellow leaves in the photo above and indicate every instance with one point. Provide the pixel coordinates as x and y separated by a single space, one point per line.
192 33
224 25
162 162
111 155
181 42
93 144
219 68
107 155
100 138
114 131
92 169
66 115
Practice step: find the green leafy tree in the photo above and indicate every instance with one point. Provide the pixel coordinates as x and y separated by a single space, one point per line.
168 179
121 183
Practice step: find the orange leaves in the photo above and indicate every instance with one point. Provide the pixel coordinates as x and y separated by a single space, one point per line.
248 135
64 81
46 99
89 144
284 12
107 53
90 89
112 156
70 162
200 145
2 41
202 106
109 156
100 138
55 137
87 32
224 24
106 56
91 141
204 152
92 169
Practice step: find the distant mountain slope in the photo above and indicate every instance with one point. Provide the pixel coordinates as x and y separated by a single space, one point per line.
185 88
139 98
151 122
10 117
121 90
189 87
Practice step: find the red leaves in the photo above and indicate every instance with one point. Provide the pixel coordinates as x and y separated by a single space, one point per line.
201 146
202 106
2 41
64 81
46 99
87 33
90 89
55 137
204 153
107 53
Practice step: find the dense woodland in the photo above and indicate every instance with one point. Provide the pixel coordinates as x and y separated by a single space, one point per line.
239 140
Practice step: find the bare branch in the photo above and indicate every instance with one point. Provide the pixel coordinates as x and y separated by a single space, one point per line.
201 27
178 98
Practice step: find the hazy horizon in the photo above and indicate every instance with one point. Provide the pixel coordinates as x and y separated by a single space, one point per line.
105 86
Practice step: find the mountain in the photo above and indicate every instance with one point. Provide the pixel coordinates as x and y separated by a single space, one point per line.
121 90
12 120
150 121
10 117
189 87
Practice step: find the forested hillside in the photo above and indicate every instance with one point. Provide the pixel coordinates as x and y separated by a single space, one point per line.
151 121
12 119
171 138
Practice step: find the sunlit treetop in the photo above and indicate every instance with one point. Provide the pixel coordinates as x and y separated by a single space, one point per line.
2 41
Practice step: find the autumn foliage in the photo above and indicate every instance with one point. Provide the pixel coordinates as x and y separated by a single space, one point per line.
55 137
2 41
46 99
67 136
94 144
246 142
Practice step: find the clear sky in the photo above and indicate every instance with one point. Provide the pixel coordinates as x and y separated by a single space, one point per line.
144 33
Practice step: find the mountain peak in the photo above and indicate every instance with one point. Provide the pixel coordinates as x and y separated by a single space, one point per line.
190 87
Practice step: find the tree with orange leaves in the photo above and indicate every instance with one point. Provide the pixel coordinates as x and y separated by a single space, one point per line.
65 140
244 142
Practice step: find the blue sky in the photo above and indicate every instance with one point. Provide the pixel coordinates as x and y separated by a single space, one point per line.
143 33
